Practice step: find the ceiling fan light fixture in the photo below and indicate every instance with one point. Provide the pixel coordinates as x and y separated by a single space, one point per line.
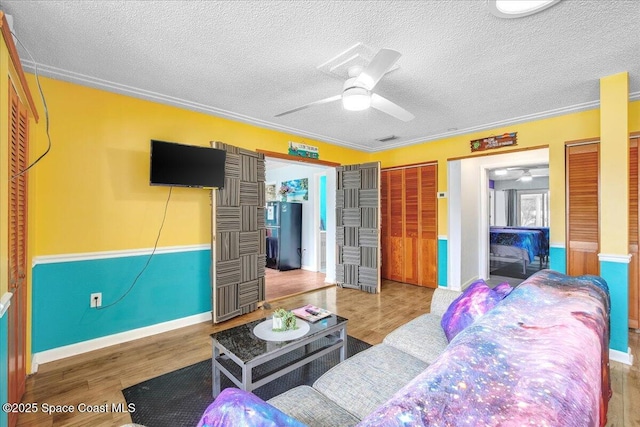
501 172
518 8
526 177
356 99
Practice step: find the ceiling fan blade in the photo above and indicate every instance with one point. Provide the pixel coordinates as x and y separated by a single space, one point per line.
380 64
383 104
322 101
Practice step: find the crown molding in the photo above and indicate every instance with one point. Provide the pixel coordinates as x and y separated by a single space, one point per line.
96 83
84 80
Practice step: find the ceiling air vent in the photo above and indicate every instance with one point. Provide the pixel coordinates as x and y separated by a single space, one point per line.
387 138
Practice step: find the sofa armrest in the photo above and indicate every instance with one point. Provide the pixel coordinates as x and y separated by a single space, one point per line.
235 407
441 300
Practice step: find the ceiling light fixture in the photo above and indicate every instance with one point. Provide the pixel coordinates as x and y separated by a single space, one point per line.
518 8
356 99
501 172
526 177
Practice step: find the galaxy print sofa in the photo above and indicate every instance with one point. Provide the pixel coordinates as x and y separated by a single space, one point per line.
534 355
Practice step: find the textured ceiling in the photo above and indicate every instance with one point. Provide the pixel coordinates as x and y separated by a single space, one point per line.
462 69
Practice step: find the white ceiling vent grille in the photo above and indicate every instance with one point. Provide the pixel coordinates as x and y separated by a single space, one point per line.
388 138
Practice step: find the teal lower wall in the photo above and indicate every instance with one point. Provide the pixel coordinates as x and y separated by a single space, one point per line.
4 365
174 285
616 275
558 259
443 261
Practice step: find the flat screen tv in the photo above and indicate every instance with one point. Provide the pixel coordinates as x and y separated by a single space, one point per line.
186 165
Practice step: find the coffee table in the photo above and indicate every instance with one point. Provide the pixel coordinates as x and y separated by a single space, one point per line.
238 351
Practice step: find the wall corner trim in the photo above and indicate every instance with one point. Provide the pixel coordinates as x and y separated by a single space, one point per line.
119 338
622 259
5 302
558 245
620 356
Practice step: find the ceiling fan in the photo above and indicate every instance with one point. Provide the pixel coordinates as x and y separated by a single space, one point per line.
356 93
523 173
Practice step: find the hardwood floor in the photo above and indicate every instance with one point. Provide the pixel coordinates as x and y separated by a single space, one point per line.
97 378
279 284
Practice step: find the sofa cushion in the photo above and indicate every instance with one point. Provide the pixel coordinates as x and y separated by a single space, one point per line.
442 299
422 338
311 407
235 407
475 301
503 289
365 381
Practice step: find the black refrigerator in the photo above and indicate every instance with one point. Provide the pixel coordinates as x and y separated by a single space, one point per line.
284 235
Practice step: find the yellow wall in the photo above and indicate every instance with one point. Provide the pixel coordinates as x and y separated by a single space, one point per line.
93 191
552 132
614 163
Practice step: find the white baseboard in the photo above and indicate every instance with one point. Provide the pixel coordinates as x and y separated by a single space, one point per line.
622 357
119 338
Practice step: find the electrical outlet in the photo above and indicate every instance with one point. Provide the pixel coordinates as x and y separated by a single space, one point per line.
96 300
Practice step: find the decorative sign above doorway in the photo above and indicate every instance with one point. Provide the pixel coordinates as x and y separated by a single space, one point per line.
303 150
494 142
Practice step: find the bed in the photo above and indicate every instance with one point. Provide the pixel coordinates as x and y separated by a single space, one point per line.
523 243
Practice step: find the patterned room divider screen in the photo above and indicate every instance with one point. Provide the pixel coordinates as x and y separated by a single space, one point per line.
238 248
358 226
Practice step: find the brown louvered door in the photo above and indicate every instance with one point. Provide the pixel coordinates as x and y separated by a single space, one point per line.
384 226
238 235
411 235
409 227
634 294
17 320
582 169
394 236
428 255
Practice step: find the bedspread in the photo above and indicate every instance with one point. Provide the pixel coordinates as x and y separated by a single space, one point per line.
529 240
540 357
543 237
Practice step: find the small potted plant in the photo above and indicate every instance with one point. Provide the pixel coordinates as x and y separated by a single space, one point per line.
283 320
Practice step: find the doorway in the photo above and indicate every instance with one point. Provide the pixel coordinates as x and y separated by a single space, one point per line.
519 225
313 196
468 248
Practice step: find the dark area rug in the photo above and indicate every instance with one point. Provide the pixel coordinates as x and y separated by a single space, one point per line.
180 397
514 269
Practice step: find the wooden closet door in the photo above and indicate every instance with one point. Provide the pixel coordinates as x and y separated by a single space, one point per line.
396 226
409 225
17 314
582 169
428 255
634 297
384 225
411 235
